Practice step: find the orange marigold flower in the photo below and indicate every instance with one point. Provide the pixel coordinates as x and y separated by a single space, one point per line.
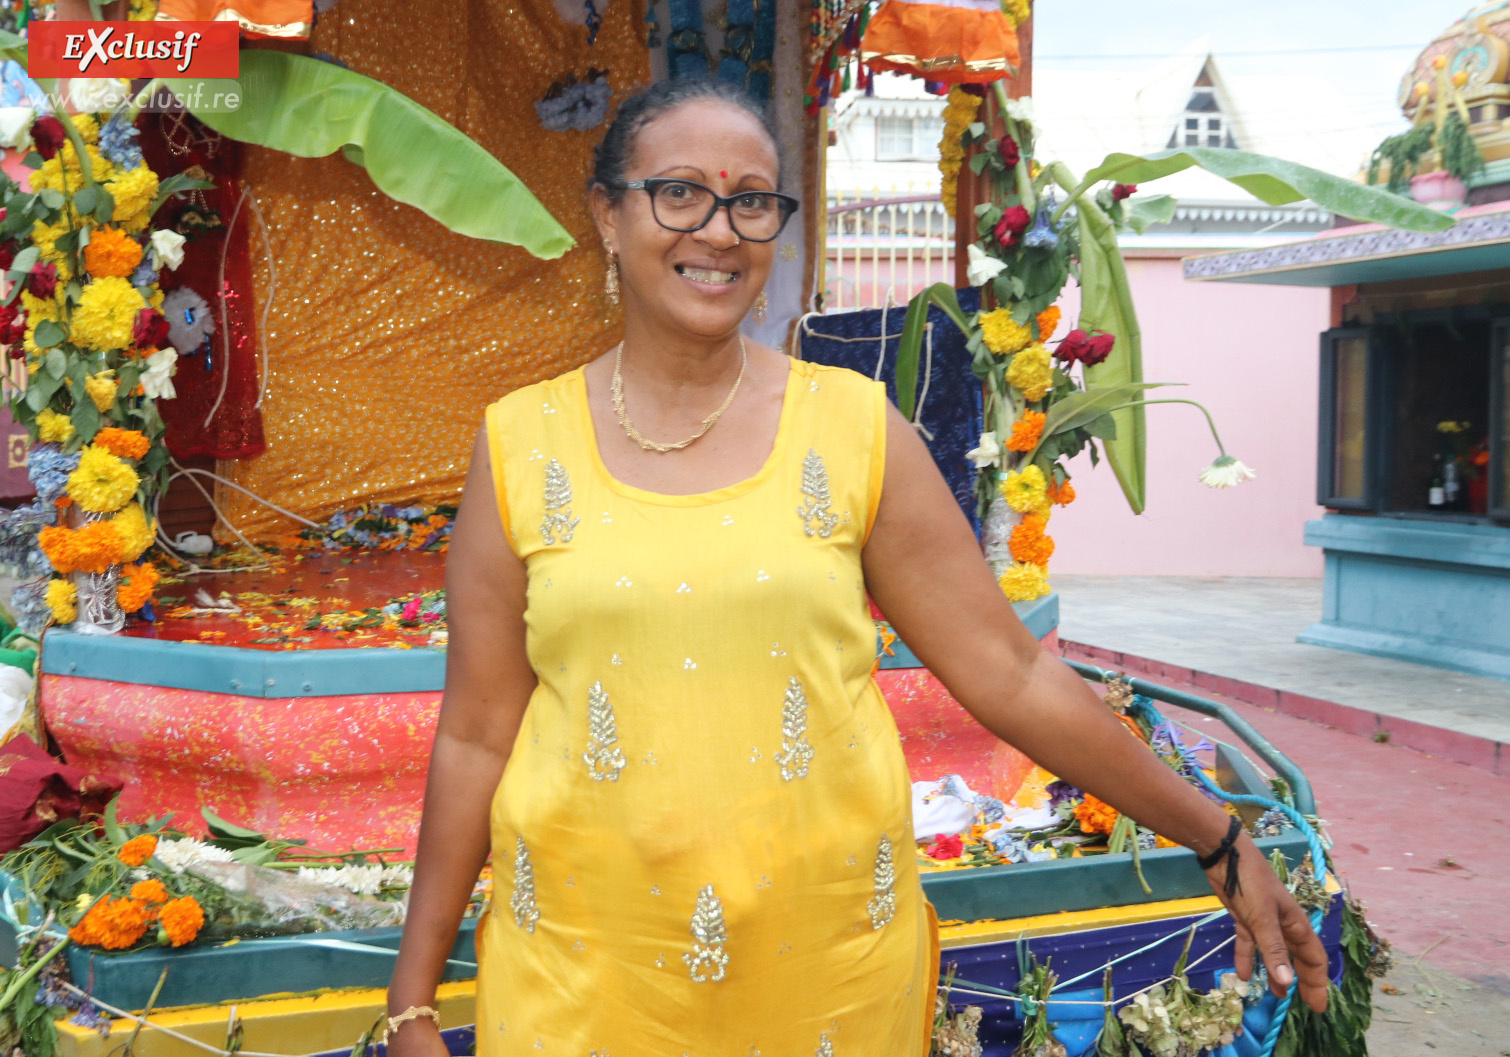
138 850
1028 542
1061 494
136 587
111 253
181 920
113 924
1026 431
124 443
150 891
1048 322
94 548
1095 816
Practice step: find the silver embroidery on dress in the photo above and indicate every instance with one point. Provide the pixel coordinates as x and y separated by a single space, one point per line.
707 959
883 905
817 518
795 752
603 757
825 1046
526 913
557 524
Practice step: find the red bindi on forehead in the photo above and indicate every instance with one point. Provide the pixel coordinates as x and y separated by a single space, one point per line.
724 173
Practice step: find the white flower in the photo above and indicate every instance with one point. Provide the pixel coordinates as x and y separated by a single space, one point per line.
987 453
166 249
1225 472
93 95
179 855
1021 109
157 379
982 267
15 126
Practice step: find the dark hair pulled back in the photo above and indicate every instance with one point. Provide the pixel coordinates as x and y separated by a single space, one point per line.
611 158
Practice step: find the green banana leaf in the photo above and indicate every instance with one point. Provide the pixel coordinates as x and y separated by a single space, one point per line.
913 329
1106 304
1084 407
1276 182
310 108
12 47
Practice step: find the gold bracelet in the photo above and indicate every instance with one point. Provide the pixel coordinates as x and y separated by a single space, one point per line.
412 1013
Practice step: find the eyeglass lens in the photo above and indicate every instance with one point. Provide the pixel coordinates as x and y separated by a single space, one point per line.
754 215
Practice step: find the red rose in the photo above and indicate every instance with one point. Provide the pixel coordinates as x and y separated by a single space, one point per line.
1122 191
13 329
1072 346
42 283
1097 349
945 847
150 330
1009 150
1012 224
47 135
7 252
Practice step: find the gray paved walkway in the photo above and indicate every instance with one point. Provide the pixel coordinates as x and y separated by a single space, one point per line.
1244 628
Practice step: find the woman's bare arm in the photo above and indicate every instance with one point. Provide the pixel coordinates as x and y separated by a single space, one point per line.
488 684
924 569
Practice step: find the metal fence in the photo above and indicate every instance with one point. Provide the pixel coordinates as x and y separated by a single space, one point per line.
882 248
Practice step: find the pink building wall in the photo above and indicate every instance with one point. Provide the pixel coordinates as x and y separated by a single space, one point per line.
1249 353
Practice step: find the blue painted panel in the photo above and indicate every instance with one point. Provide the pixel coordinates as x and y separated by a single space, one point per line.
1041 617
1429 541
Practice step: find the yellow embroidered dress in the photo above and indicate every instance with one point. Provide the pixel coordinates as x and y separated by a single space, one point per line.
702 843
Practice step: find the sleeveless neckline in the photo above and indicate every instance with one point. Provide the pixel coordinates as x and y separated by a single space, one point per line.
717 495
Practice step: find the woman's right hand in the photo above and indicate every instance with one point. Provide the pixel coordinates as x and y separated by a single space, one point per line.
417 1038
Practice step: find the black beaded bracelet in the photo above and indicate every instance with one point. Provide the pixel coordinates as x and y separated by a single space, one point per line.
1226 850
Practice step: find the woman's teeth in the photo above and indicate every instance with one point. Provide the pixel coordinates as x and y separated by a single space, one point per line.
706 275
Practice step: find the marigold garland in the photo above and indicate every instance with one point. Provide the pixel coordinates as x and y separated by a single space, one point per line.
138 850
123 443
1003 334
93 548
1061 494
1022 582
1048 322
1028 542
111 252
63 600
101 389
1027 431
150 891
105 314
112 923
53 427
134 191
1025 490
137 531
1096 816
1017 11
136 586
958 115
1032 371
102 483
181 920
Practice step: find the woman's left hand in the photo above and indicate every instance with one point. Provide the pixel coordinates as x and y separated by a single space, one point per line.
1271 922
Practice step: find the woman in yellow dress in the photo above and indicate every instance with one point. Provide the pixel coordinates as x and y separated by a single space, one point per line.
659 719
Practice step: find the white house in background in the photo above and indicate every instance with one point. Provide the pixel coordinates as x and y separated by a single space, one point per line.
1242 350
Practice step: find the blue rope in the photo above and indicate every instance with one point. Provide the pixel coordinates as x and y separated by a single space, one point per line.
1313 840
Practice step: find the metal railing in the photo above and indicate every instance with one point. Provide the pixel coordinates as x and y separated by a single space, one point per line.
882 249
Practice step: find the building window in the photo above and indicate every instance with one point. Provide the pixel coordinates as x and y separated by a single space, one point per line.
1414 417
1204 130
905 139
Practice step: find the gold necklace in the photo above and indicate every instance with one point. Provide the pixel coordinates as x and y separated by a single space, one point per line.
617 389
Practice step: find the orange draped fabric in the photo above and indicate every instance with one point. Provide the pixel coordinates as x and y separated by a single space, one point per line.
959 42
258 18
387 334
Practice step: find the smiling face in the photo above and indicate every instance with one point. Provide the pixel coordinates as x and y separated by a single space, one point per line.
700 282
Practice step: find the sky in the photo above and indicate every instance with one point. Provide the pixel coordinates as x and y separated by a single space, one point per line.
1362 46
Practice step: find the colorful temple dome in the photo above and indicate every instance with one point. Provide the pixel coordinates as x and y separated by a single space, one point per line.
1477 52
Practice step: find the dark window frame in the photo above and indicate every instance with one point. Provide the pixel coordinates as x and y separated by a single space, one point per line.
1326 465
1499 382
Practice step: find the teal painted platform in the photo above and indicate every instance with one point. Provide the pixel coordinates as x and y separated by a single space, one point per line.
1432 592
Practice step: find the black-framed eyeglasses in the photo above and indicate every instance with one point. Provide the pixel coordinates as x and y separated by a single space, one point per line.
685 205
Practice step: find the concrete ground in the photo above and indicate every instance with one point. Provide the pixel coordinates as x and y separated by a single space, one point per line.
1423 840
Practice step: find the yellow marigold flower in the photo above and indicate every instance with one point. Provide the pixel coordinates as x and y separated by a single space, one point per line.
101 389
181 920
53 427
102 482
155 299
45 238
150 891
1017 11
1032 371
1027 431
89 128
1025 490
105 314
134 191
63 600
138 850
1028 542
38 308
1003 334
112 252
136 528
1048 322
1023 582
136 586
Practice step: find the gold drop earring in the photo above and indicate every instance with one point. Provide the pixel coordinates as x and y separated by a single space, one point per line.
761 303
611 277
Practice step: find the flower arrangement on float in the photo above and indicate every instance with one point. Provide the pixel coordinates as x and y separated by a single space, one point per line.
83 312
